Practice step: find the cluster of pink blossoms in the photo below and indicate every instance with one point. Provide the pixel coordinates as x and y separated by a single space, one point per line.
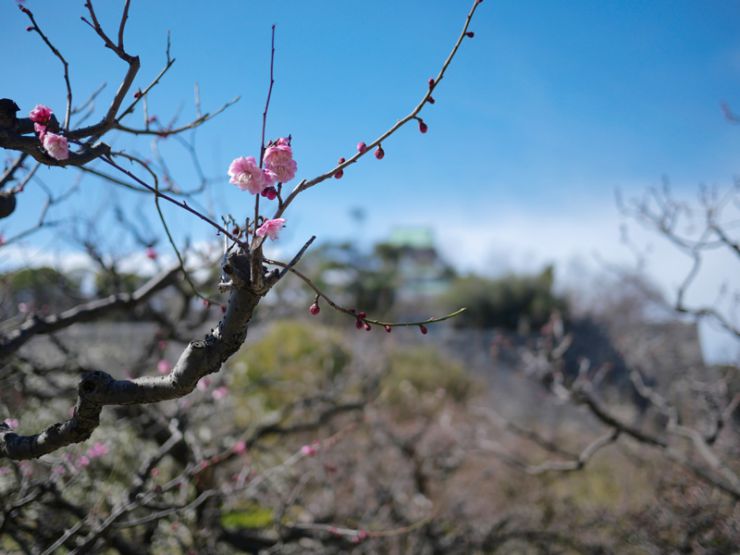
55 145
279 167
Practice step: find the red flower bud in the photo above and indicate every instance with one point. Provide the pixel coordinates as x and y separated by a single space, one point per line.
361 146
470 34
432 82
388 328
423 127
270 193
314 309
431 100
367 327
137 94
339 173
379 153
29 28
423 329
362 315
359 324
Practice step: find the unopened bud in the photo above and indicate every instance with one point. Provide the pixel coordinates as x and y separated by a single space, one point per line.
431 100
423 127
387 328
423 329
314 309
431 82
379 153
470 34
368 327
361 147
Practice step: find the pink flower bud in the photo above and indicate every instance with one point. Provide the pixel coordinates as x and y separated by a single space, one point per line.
270 193
164 366
339 173
314 309
359 324
362 315
310 450
423 127
431 82
151 253
367 326
379 153
423 329
388 328
361 147
431 100
239 447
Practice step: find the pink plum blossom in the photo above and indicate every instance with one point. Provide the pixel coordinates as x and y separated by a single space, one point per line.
246 175
151 253
220 392
271 228
279 160
310 450
204 383
40 130
56 146
40 114
11 423
164 366
83 461
98 449
239 447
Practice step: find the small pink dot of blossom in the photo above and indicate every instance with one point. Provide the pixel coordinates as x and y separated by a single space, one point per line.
164 366
26 468
23 308
56 146
310 450
98 449
248 176
83 461
11 423
204 384
40 114
151 253
239 447
271 228
154 472
220 392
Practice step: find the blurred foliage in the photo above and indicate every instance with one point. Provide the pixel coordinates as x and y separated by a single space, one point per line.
367 282
107 283
251 516
44 289
513 302
419 372
292 360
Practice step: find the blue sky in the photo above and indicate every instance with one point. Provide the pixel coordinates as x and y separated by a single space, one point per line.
545 112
